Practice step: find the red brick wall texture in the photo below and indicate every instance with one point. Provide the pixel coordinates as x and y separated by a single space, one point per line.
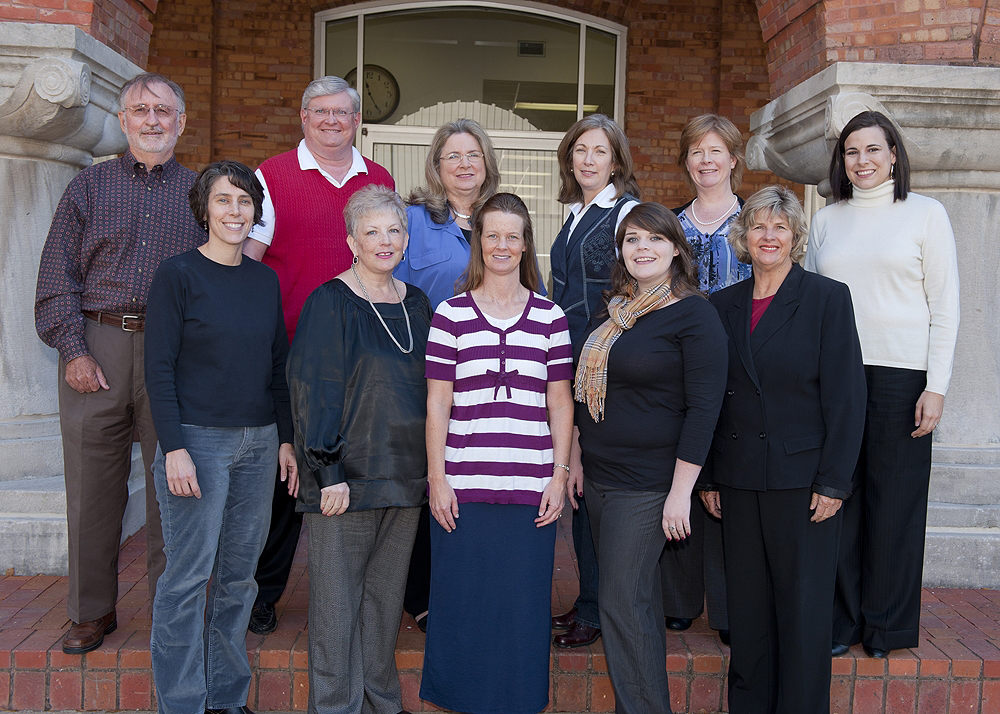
244 63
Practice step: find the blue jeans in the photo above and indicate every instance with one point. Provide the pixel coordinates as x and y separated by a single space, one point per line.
198 648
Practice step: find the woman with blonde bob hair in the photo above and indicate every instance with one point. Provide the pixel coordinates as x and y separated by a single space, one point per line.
658 359
782 458
499 424
711 154
597 183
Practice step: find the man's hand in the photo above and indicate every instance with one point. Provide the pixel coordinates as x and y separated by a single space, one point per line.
84 375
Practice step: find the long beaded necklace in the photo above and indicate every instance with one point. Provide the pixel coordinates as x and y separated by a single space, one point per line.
409 331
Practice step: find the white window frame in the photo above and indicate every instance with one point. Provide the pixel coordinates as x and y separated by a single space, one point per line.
524 6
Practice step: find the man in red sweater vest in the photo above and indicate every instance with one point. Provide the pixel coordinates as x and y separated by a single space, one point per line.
304 239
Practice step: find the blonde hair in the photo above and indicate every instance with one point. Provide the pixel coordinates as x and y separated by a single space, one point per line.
770 201
696 129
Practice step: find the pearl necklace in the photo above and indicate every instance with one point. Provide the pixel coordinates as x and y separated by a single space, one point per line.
729 211
409 331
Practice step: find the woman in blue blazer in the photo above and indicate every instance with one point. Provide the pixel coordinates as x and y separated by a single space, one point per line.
784 450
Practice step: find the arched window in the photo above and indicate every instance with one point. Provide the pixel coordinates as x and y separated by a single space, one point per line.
523 70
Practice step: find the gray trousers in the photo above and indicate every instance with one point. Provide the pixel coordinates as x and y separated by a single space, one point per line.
628 535
97 457
357 574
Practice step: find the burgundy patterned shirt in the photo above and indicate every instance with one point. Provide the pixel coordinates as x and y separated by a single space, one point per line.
115 223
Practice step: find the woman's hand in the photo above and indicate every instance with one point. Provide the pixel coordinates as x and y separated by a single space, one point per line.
553 498
288 468
823 506
928 413
713 504
334 500
181 477
677 515
443 503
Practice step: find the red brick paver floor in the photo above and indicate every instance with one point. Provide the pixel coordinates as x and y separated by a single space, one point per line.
955 670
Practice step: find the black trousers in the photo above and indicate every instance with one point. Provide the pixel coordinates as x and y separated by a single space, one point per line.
780 573
416 599
693 571
882 546
275 561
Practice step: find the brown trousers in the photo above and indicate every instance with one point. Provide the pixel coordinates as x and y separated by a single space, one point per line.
97 433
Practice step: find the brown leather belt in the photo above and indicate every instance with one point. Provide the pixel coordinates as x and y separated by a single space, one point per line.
129 323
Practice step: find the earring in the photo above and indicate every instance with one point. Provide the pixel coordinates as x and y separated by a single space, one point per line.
355 261
403 259
612 174
892 170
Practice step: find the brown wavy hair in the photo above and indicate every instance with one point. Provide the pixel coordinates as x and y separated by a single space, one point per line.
660 220
696 129
475 273
621 159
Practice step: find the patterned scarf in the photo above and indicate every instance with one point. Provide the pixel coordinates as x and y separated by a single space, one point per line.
623 311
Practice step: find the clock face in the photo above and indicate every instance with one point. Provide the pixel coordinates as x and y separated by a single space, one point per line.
379 95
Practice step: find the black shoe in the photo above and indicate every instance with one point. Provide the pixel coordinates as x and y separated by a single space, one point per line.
263 618
232 710
839 649
678 623
724 636
875 653
578 635
421 621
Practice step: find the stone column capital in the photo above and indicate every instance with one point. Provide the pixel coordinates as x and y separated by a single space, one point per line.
949 118
58 94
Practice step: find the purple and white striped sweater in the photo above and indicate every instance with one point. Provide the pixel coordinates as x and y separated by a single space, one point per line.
499 449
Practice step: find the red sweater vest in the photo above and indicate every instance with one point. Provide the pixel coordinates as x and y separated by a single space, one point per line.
310 239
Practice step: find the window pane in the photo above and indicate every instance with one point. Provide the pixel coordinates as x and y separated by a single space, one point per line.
523 63
599 73
341 46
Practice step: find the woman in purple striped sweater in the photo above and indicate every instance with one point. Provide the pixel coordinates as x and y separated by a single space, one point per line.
499 425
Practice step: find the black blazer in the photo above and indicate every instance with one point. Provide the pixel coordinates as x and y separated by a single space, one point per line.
794 409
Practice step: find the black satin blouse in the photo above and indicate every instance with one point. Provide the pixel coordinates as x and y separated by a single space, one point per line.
358 403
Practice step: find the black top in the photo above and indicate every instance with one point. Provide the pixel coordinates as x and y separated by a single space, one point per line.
215 347
359 403
666 377
794 410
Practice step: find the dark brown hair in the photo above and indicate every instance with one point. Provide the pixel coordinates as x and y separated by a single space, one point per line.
239 176
657 219
621 159
841 185
475 273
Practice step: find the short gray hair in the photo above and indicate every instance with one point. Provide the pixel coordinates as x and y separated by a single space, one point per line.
770 201
325 86
371 200
143 81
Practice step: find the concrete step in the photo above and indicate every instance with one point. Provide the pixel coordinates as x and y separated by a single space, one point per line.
962 557
30 447
33 521
977 484
960 515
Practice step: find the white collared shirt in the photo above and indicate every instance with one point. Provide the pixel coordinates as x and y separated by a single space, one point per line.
605 199
307 162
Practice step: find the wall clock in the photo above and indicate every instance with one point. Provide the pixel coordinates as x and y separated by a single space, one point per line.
379 95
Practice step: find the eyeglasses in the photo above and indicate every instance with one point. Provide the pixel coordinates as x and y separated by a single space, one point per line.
162 111
338 114
473 157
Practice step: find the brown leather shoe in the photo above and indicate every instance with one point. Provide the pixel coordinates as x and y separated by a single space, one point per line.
87 636
578 635
563 622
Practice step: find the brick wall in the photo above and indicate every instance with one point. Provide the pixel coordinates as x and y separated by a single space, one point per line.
804 36
124 25
244 65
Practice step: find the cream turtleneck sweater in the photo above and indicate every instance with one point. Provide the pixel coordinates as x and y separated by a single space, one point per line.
899 259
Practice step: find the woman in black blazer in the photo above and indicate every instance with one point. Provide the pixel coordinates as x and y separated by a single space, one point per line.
784 450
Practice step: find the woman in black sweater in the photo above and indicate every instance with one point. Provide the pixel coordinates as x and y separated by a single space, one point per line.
215 371
651 378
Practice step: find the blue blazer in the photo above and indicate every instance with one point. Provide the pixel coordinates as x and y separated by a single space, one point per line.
436 256
794 409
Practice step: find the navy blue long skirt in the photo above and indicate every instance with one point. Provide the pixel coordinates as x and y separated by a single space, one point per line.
488 626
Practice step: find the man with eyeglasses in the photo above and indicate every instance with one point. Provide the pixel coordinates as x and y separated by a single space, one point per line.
304 239
115 223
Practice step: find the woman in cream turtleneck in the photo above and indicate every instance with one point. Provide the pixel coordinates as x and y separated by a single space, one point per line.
896 251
